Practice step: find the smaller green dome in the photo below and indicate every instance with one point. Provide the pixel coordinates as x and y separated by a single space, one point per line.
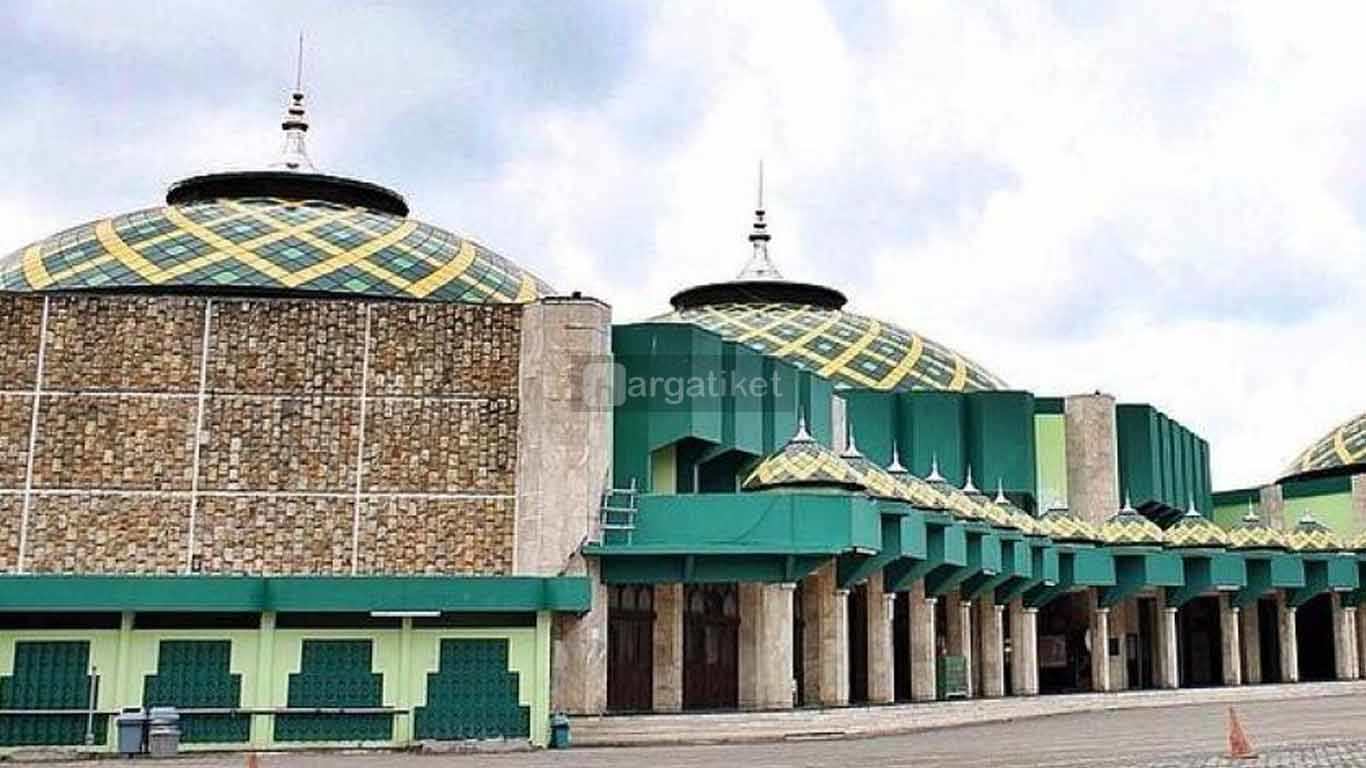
1309 535
917 491
1252 533
879 483
1128 528
1018 518
1195 531
803 463
1340 451
960 504
1062 526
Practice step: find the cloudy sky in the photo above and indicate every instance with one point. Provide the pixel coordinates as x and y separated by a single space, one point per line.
1163 202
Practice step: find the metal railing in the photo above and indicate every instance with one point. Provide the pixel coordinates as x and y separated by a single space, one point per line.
617 513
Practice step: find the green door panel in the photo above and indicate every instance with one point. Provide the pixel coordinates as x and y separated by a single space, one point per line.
335 674
472 695
48 675
196 674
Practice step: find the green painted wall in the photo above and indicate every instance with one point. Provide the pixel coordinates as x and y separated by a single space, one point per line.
123 658
1160 460
1231 506
1050 455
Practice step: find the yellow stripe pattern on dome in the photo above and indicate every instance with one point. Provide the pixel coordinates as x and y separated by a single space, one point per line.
841 346
1358 544
1311 536
802 462
1196 532
1343 447
268 244
919 492
1129 528
1061 525
1254 534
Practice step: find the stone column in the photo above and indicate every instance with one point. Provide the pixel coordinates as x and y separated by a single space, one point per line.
825 642
1359 500
1168 663
1119 623
1024 648
1290 649
668 648
766 646
1100 647
1271 507
993 648
1361 643
1344 639
1229 625
958 632
920 622
1250 632
579 654
1092 456
881 658
1353 630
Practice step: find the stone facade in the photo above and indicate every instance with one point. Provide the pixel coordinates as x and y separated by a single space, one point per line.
286 436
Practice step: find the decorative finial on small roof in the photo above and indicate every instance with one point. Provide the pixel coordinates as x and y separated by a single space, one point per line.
1251 518
760 267
1128 508
1191 511
294 157
934 476
802 436
968 487
1000 492
851 450
895 467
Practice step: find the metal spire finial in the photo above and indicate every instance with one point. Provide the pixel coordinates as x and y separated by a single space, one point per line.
759 266
968 487
934 476
802 435
851 450
895 467
294 157
1000 492
1251 516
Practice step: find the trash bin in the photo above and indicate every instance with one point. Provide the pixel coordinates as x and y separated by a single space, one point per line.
559 731
132 727
163 732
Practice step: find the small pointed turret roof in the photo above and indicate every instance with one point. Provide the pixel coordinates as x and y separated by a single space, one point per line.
803 462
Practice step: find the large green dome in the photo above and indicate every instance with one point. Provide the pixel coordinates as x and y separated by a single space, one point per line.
807 325
1340 451
273 245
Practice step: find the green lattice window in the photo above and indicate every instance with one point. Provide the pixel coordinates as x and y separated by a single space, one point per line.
335 673
472 695
49 675
197 674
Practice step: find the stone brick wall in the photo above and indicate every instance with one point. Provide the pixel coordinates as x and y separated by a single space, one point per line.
312 444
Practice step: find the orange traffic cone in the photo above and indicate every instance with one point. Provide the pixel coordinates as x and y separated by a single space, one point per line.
1239 748
251 760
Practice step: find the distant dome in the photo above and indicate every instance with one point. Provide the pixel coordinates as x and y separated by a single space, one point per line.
807 325
1252 533
1309 535
1341 450
1195 531
1128 528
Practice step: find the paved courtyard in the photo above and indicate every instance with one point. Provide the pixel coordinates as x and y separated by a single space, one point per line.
1307 733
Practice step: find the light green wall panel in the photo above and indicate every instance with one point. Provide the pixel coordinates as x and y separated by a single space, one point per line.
1050 455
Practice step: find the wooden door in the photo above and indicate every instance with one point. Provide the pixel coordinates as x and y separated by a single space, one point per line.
630 647
711 647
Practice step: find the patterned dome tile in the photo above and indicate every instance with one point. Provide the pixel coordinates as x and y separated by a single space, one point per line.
1063 526
1252 533
271 244
841 346
1309 535
1343 447
803 462
1129 528
1194 531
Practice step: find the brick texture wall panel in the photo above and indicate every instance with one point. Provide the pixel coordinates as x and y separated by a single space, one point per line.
441 446
16 413
436 536
125 442
20 320
444 349
272 444
108 534
287 347
144 344
11 513
262 535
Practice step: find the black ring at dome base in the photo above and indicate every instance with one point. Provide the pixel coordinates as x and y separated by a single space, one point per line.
759 292
287 185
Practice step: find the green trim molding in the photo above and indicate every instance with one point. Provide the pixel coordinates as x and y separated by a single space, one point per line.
41 593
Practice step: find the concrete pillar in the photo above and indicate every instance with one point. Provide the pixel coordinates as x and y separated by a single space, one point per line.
958 632
825 642
579 654
1100 647
1359 500
920 622
1168 662
1250 633
668 648
1120 615
1344 639
1361 643
1290 648
766 646
1353 630
993 659
1230 625
881 658
1024 649
1271 507
1092 457
564 433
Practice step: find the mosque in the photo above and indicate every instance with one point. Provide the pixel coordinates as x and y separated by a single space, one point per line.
317 473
